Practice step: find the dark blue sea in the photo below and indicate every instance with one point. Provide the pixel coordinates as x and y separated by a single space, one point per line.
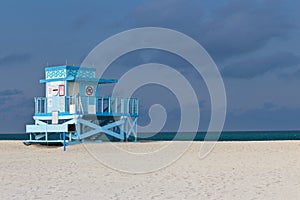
200 136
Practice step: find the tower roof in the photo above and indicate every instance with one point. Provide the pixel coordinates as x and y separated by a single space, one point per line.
73 74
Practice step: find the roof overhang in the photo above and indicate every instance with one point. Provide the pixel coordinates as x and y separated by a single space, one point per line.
73 79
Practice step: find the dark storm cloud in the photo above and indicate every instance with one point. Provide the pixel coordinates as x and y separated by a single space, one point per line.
15 58
243 27
237 34
15 113
81 21
168 13
14 101
10 92
8 95
274 117
295 75
14 105
231 29
256 66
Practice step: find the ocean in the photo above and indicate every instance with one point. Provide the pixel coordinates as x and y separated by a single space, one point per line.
200 136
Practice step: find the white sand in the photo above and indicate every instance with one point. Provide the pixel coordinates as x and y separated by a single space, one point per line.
233 170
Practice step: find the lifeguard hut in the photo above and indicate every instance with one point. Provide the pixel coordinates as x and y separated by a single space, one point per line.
71 109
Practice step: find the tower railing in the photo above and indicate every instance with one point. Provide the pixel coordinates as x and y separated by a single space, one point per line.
105 106
40 105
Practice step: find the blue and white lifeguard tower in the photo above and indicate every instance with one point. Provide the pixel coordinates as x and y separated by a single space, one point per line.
73 110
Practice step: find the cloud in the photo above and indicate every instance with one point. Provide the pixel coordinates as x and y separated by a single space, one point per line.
269 117
15 113
14 100
243 27
251 67
269 106
291 76
168 13
15 58
81 21
228 29
8 96
10 92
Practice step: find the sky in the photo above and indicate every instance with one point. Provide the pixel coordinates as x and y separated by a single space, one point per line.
255 45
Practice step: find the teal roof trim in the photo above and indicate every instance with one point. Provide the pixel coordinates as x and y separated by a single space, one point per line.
69 67
73 79
103 81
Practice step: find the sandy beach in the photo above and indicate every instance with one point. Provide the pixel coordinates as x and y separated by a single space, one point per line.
232 170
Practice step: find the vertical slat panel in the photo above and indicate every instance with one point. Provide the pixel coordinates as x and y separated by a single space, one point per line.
102 104
137 107
116 106
45 105
109 104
